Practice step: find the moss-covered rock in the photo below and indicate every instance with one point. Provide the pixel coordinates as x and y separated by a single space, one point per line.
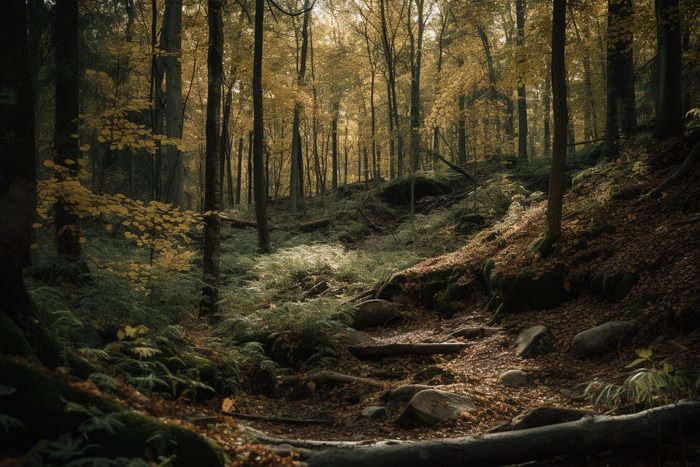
539 290
467 223
43 405
398 192
615 287
455 292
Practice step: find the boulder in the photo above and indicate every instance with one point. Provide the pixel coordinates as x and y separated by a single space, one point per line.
373 313
514 378
399 397
534 341
354 336
373 412
432 406
601 339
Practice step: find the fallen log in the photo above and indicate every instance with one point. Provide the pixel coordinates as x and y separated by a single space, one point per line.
331 378
304 227
315 445
423 348
264 418
590 435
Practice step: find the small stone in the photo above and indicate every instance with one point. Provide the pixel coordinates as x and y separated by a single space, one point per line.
514 378
373 412
601 339
355 337
534 341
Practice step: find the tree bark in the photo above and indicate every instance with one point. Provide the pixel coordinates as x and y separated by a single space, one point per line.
66 147
522 102
212 195
558 169
669 104
461 132
362 350
172 39
258 133
621 115
239 171
589 435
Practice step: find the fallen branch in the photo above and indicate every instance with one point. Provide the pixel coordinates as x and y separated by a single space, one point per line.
262 438
304 227
590 435
295 421
454 167
330 378
408 349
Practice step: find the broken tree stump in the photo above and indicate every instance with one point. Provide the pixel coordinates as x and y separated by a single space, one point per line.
590 435
423 348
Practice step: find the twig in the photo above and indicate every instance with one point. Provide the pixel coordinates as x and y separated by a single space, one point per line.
296 421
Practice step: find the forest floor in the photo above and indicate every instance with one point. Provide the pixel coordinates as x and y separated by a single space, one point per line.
608 228
658 239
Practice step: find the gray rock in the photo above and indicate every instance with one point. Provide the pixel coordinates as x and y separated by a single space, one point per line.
373 313
374 412
534 341
432 406
470 332
355 337
601 339
399 397
285 450
426 374
514 378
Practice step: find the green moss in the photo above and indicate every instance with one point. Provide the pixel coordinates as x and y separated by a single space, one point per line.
398 192
538 290
39 402
615 287
453 293
12 340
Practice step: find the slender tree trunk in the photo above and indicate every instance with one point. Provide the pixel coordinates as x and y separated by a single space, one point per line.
249 172
416 58
158 100
461 133
522 103
239 171
172 35
394 129
225 145
334 146
296 190
345 172
557 178
547 118
258 132
492 74
669 104
212 189
66 147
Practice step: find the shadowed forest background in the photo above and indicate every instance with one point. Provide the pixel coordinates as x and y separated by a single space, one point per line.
257 220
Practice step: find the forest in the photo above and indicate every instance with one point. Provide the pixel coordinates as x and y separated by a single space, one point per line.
352 232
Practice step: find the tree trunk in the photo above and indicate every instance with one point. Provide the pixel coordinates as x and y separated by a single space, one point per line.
416 58
66 147
462 132
557 176
249 172
492 75
258 132
296 191
334 146
522 103
621 115
239 172
172 39
590 435
669 104
212 190
547 99
225 147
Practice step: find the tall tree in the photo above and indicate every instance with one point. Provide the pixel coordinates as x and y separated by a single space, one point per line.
66 146
558 170
212 189
22 331
621 115
669 104
296 190
172 40
258 133
522 103
416 42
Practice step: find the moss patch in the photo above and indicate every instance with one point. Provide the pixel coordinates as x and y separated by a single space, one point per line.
539 290
615 287
398 192
454 293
